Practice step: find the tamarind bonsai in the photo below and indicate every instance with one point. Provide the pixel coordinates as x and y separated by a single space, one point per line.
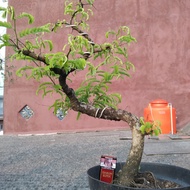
103 64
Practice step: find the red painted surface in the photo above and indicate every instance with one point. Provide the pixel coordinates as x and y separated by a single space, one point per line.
162 111
161 56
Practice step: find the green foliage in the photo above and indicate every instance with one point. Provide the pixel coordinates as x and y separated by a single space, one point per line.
90 2
35 30
12 12
5 24
150 128
62 103
50 44
78 45
29 16
38 44
4 12
113 65
20 71
96 92
9 10
33 72
4 39
103 63
57 60
78 14
49 88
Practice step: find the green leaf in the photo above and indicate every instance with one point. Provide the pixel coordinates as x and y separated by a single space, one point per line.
79 63
148 125
156 132
20 71
29 16
4 10
57 87
68 8
127 39
2 45
121 51
5 24
12 12
123 72
129 65
58 24
43 86
142 129
6 37
41 29
108 33
58 60
142 120
90 2
49 42
118 96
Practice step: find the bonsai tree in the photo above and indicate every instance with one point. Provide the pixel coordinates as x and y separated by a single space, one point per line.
103 64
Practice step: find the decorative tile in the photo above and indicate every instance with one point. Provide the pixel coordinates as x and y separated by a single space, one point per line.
60 114
26 112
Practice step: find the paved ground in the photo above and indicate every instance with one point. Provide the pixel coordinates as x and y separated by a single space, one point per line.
60 161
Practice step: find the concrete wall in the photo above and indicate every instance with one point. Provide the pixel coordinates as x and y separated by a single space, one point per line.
161 57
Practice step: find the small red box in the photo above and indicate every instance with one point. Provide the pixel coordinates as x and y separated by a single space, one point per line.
107 170
106 175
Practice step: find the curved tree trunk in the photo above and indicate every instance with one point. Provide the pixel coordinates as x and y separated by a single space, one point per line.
131 167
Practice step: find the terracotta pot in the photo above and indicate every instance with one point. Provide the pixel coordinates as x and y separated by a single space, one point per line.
172 173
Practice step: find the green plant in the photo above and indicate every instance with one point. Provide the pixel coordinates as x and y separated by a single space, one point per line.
150 128
103 63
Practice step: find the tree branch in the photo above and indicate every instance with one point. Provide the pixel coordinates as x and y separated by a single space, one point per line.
107 113
34 56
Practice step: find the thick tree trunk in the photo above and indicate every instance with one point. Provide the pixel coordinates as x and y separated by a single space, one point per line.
131 167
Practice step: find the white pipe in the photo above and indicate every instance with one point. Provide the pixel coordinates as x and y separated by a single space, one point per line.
171 119
151 112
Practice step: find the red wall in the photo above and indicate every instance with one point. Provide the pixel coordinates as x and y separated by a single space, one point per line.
161 56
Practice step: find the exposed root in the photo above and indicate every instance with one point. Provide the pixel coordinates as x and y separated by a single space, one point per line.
147 180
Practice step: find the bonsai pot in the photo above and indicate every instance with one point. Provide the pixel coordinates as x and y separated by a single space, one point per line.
172 173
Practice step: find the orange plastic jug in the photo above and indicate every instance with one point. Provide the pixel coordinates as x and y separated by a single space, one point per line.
164 112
